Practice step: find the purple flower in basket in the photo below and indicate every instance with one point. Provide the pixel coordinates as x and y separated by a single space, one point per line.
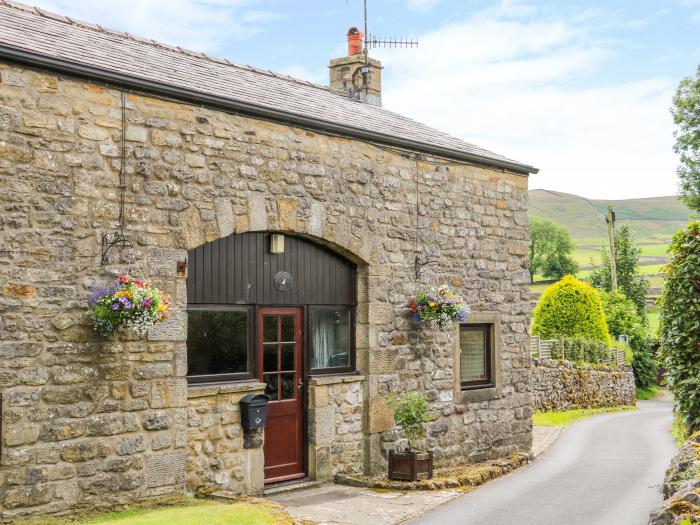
146 303
125 302
115 306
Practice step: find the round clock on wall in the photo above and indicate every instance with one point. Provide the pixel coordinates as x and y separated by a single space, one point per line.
283 281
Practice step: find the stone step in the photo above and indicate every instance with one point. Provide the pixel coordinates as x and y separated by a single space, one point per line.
290 486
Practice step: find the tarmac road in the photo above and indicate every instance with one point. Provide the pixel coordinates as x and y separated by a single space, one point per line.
605 470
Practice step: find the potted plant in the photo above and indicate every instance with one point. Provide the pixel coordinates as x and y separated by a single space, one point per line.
437 306
413 464
130 302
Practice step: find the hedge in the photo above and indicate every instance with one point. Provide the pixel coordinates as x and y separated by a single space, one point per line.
570 308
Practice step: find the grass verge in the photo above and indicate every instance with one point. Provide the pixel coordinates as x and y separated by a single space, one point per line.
181 511
647 393
558 419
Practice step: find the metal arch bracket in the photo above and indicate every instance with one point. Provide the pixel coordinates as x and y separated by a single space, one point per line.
113 239
420 263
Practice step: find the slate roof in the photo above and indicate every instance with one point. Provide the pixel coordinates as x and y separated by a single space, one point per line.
33 36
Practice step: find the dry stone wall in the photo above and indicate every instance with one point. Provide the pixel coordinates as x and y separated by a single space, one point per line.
563 385
89 421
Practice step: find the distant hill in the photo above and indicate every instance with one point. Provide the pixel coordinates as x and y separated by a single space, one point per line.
654 220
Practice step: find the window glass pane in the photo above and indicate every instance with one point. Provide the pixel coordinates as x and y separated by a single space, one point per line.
330 338
217 342
288 356
270 328
270 358
271 386
472 360
288 386
287 328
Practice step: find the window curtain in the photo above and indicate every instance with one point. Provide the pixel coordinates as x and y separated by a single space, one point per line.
323 338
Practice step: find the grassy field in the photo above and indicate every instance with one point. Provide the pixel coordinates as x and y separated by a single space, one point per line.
190 512
647 393
556 419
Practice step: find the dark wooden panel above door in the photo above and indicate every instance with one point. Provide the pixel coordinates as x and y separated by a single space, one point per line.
240 269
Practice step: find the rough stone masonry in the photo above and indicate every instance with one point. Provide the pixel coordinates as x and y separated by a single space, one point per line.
89 421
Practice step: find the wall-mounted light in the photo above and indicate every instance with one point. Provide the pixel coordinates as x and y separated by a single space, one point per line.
276 243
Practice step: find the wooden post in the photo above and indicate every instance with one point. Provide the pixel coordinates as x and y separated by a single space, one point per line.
610 219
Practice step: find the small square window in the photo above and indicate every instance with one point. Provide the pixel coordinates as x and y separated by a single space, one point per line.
218 344
331 340
475 360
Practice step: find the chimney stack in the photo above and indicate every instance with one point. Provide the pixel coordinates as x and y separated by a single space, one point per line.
356 76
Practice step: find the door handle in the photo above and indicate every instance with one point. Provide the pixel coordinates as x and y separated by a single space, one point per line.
301 384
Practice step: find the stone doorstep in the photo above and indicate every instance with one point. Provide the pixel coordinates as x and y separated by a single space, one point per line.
290 486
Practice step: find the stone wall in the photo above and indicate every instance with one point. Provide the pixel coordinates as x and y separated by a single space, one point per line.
563 385
681 487
92 421
219 452
335 417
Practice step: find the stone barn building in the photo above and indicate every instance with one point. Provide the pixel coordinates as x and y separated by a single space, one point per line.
288 223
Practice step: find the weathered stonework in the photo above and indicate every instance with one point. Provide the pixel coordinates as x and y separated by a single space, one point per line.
93 421
563 385
216 443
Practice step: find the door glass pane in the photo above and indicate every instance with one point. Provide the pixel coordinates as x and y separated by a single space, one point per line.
287 328
269 328
271 386
330 338
270 357
288 386
217 342
288 356
472 360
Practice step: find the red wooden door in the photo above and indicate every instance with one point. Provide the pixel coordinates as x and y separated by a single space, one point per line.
280 368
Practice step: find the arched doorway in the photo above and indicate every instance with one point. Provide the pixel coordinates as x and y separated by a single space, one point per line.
276 309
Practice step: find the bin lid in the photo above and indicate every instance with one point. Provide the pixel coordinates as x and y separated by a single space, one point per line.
254 399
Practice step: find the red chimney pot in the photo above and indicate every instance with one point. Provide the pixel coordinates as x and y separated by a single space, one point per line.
354 41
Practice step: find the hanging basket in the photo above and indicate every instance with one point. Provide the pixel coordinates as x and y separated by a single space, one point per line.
437 306
129 302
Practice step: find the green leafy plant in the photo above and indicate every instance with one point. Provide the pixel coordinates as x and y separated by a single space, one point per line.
410 413
570 308
130 302
630 282
680 324
440 306
550 249
686 108
623 317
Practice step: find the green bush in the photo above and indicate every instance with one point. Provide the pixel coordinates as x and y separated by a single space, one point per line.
570 308
410 412
680 324
623 317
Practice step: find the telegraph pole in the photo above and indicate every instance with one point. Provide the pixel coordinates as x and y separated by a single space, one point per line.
610 219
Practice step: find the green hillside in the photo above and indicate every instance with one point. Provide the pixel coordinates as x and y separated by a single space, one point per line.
654 220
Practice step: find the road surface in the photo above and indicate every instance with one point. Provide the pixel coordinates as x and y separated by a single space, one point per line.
605 470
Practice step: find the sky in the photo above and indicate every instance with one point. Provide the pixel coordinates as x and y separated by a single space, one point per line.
581 90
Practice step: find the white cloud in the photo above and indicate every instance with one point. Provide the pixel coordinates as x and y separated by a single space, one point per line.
526 87
422 5
199 25
319 76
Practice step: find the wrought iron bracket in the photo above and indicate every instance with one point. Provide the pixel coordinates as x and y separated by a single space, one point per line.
113 239
420 263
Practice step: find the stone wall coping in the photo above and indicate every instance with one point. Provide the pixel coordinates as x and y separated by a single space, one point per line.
336 379
194 391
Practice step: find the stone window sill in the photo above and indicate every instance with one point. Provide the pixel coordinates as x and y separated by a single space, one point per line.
336 379
208 390
475 395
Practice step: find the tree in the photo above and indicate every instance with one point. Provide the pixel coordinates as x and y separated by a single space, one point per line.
630 283
680 324
686 115
623 318
570 308
550 249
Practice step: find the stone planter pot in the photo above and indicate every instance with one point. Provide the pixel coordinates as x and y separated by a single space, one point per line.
411 465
